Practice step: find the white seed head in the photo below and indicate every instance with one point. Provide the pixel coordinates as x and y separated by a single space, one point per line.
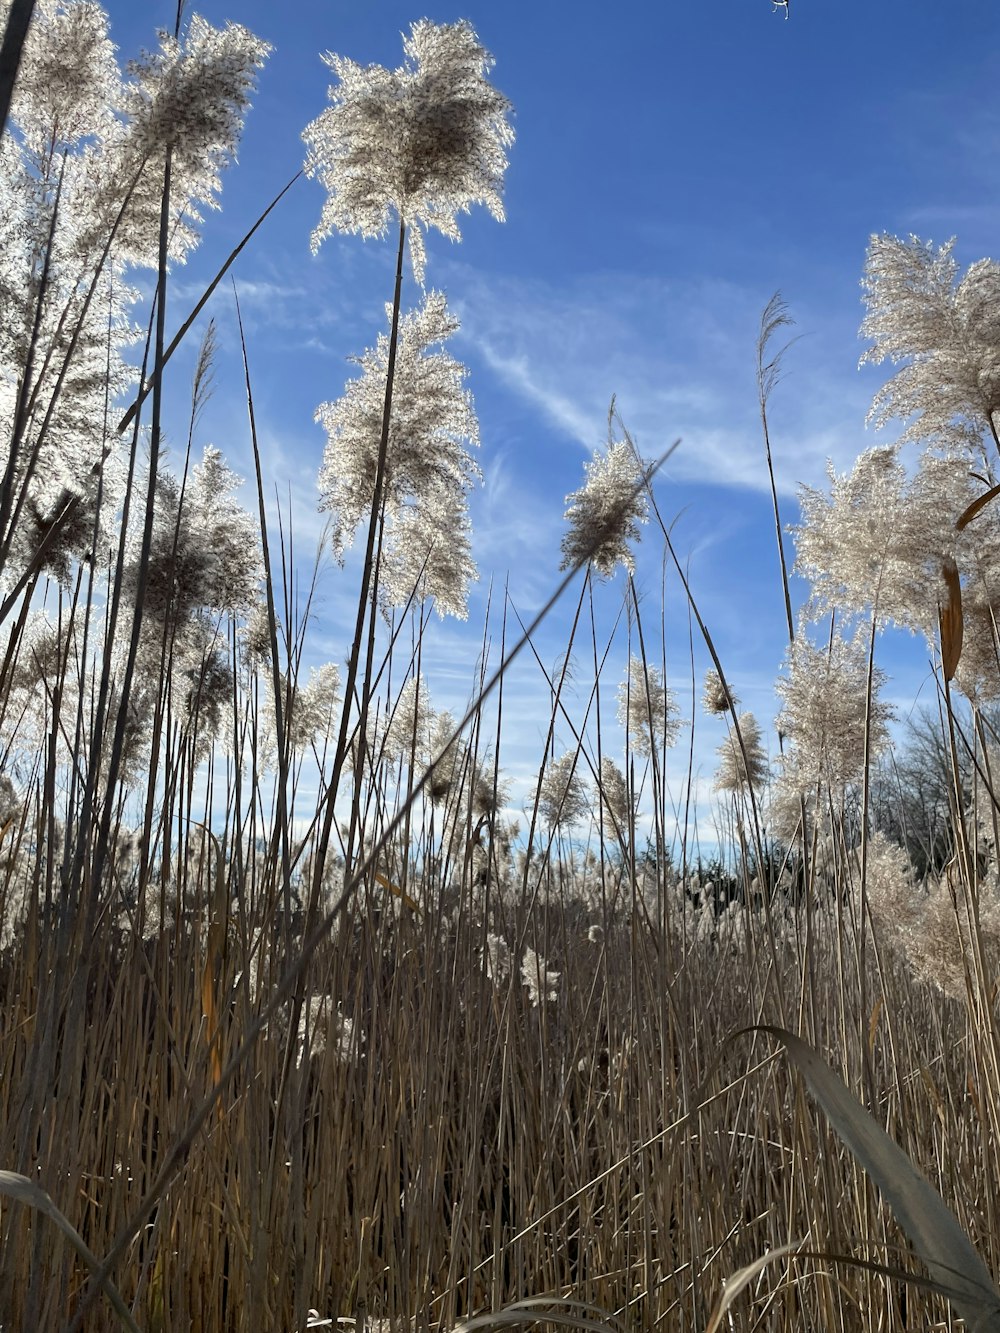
422 143
605 513
746 766
946 332
646 708
428 471
562 798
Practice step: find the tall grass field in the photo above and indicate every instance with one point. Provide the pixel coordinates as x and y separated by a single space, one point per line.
310 1016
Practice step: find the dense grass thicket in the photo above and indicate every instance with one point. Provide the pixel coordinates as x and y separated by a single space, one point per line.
299 1025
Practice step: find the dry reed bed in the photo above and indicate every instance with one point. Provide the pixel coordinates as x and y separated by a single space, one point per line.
457 1145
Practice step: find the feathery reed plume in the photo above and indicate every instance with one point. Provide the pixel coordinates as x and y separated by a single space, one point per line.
646 708
946 332
422 143
562 797
541 981
427 472
743 766
619 803
715 700
605 513
82 175
824 697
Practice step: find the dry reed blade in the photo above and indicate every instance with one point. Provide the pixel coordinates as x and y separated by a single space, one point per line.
212 974
742 1279
977 506
22 1190
951 620
199 305
930 1225
14 37
775 316
396 891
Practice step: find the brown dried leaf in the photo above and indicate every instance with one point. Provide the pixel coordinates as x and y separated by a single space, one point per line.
950 620
977 505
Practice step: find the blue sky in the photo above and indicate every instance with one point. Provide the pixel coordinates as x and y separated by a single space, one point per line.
675 164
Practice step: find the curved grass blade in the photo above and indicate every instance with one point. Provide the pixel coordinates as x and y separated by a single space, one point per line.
23 1190
976 507
742 1279
547 1310
931 1226
199 306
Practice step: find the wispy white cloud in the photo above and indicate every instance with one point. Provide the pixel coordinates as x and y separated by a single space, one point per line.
528 380
679 358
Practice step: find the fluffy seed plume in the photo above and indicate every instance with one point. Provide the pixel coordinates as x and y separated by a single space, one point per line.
946 332
605 513
310 713
618 802
876 544
205 553
68 81
428 469
81 180
539 978
824 697
714 699
190 96
423 142
409 724
562 799
744 767
646 708
879 545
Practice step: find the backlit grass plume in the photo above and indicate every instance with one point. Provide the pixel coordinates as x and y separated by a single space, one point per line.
715 700
742 765
428 469
605 513
824 697
945 330
82 176
646 708
422 143
881 542
563 799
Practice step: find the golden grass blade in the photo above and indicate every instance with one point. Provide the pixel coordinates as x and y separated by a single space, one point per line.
931 1226
873 1023
211 1015
215 948
951 621
22 1190
396 891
